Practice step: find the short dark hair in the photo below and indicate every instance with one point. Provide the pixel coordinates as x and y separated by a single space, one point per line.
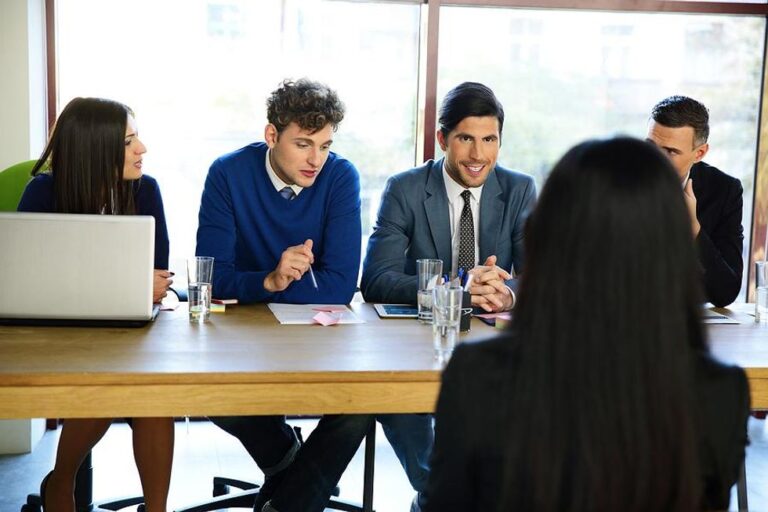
469 99
679 111
86 158
309 104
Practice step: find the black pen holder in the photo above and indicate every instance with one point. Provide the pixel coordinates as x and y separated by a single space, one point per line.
466 312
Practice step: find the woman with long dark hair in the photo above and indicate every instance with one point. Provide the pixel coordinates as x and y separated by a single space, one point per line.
602 395
94 162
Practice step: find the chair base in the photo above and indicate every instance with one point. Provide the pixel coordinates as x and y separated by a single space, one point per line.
34 504
84 495
246 497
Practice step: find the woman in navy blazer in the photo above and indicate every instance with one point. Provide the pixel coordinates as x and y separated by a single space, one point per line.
602 395
95 161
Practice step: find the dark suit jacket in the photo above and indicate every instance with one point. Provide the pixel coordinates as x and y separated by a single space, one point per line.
471 427
719 205
414 223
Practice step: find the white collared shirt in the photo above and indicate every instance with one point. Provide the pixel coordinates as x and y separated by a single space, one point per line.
455 205
275 179
685 180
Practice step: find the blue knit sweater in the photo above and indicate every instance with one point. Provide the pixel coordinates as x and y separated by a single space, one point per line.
245 224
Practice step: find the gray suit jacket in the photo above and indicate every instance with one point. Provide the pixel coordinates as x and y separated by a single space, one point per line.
414 223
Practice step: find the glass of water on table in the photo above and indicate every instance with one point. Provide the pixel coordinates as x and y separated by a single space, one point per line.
199 278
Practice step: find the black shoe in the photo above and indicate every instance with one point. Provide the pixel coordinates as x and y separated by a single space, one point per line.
268 489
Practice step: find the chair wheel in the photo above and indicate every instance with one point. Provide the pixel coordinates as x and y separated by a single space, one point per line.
220 490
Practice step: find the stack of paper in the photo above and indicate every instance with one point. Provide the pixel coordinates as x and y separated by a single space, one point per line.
307 314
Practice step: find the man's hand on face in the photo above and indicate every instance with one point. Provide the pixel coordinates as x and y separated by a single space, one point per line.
488 289
690 202
294 262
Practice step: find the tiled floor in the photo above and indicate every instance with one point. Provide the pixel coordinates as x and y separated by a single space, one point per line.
203 450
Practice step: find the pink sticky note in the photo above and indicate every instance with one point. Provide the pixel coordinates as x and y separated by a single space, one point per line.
326 319
330 309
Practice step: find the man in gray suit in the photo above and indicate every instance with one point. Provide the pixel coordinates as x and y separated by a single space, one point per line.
464 209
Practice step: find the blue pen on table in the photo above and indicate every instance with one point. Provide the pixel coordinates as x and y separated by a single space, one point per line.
312 275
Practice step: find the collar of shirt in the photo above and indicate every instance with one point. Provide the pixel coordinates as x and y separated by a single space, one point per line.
685 180
275 179
455 204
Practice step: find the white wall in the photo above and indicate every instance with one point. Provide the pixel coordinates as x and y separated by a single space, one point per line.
22 134
22 80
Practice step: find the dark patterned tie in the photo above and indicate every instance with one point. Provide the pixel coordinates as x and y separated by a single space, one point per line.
288 193
466 235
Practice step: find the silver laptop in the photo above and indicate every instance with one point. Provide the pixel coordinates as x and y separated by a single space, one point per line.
66 269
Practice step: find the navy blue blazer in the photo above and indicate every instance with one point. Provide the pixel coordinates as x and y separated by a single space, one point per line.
414 223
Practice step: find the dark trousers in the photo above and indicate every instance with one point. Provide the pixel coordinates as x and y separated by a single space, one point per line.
313 470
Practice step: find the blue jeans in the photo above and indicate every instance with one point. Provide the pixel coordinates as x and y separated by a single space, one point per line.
411 437
312 471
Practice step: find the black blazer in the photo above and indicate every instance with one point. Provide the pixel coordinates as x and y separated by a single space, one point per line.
471 428
719 205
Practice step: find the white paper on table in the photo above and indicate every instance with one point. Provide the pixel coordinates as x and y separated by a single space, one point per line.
302 314
713 317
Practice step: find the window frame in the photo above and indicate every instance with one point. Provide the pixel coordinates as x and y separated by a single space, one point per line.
428 70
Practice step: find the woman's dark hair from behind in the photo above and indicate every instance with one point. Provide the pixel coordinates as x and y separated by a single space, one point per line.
608 314
86 157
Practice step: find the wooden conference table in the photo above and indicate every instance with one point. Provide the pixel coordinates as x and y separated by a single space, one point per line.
245 362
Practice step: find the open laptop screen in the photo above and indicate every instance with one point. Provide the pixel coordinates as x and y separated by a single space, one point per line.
76 267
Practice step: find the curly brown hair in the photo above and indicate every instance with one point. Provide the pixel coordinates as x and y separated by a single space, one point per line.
309 104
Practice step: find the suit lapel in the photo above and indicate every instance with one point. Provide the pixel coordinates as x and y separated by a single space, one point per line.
491 215
436 210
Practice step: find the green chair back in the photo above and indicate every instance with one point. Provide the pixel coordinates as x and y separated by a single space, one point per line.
12 183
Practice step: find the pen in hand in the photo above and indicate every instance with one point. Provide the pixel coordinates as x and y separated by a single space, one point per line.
312 275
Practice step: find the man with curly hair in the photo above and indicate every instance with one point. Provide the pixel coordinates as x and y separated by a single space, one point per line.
269 211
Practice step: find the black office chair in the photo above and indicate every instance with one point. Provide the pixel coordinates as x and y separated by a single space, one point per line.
246 496
741 488
84 495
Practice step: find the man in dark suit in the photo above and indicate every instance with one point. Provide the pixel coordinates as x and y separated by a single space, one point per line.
679 126
465 210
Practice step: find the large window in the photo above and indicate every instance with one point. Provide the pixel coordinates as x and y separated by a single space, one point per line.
566 76
198 72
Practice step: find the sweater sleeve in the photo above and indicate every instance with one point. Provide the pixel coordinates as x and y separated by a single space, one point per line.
38 195
149 201
217 236
337 265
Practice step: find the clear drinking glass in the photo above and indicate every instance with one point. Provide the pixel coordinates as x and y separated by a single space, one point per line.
761 285
429 274
199 277
446 314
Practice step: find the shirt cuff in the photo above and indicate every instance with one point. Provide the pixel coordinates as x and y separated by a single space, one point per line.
514 299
